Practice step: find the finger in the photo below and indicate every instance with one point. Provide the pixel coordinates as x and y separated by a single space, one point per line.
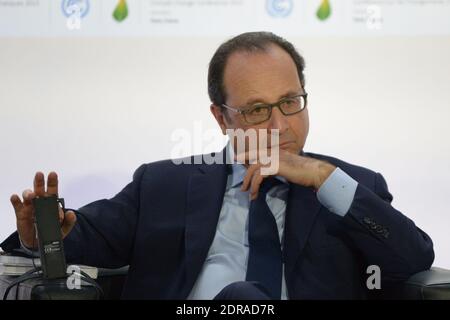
248 157
28 197
61 215
52 183
256 184
26 211
69 222
39 184
16 203
248 177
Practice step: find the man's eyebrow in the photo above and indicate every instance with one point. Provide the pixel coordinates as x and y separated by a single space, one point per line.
290 93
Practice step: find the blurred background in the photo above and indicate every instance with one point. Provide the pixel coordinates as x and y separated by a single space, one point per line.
92 89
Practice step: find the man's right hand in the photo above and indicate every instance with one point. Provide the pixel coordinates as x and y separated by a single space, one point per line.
25 209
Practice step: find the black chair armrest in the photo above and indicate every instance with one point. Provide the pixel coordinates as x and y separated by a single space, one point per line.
433 284
43 289
112 281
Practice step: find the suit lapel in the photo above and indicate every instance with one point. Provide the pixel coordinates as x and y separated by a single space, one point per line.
302 209
205 194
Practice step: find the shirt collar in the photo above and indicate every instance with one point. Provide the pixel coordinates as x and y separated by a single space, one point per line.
237 171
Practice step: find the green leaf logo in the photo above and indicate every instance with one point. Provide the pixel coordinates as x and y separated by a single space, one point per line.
121 11
324 10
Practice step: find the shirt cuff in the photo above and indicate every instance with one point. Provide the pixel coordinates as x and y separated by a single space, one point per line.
337 192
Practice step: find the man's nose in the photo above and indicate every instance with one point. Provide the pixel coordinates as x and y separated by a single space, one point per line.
278 121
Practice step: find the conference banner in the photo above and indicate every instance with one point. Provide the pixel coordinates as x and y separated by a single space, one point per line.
49 18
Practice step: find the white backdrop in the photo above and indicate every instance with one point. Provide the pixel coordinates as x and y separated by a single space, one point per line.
94 108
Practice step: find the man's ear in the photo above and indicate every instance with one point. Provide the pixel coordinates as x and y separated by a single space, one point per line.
220 117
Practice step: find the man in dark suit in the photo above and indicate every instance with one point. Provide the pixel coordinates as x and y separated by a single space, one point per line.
190 229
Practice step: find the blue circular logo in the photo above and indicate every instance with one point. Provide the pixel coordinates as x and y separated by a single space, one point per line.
279 8
70 7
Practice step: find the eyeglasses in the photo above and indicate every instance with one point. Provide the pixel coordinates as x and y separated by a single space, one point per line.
261 112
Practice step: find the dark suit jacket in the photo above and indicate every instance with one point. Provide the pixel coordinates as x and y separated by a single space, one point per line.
163 223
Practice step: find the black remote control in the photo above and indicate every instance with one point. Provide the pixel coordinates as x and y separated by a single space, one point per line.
51 248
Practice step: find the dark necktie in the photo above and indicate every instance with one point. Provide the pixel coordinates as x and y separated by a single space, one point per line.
265 259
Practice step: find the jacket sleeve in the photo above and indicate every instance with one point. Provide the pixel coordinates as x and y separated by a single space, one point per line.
105 230
384 236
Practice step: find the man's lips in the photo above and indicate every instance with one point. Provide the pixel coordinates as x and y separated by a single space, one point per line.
281 145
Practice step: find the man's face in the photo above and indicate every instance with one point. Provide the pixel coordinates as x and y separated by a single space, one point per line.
264 77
